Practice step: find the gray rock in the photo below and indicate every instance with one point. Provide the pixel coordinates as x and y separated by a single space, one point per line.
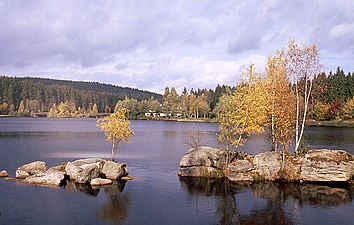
200 171
240 166
326 165
100 182
241 177
73 169
4 173
20 174
204 156
51 179
268 164
38 167
88 173
113 170
203 162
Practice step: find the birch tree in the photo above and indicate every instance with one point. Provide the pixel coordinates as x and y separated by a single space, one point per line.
116 129
281 101
242 112
302 65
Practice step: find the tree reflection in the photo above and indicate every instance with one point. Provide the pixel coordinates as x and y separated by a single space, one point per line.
283 200
115 210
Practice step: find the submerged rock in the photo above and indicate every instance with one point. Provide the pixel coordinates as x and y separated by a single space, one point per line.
4 173
100 182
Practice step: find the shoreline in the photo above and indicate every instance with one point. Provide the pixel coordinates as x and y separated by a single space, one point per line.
332 123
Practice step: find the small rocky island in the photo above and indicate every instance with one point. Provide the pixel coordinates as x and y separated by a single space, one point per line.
93 171
314 166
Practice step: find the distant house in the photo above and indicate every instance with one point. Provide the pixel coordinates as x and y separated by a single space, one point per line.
163 115
147 114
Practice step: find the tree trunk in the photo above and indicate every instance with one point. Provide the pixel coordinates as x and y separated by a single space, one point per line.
114 146
297 117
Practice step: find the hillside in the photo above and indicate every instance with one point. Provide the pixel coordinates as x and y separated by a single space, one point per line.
47 92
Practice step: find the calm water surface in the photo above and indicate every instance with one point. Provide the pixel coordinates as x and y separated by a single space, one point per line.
157 195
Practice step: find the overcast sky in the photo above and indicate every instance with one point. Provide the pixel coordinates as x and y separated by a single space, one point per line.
153 44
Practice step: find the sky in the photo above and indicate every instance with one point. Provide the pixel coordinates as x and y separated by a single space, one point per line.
150 44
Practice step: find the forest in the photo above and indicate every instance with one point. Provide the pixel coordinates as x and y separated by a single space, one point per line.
331 98
26 96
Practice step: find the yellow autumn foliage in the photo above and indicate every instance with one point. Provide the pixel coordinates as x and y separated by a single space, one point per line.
116 128
242 112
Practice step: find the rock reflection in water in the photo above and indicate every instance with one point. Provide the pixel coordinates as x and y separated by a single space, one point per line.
278 196
115 209
83 188
306 194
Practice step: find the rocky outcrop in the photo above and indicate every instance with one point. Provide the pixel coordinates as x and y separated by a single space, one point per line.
74 169
113 170
268 164
38 167
315 166
203 162
326 165
81 171
240 170
4 173
51 178
88 173
20 174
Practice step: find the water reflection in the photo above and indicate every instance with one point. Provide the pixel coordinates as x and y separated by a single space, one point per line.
115 209
282 202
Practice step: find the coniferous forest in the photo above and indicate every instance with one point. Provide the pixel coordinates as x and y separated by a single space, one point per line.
332 98
27 95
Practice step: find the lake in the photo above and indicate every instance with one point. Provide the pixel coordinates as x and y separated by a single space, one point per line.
157 195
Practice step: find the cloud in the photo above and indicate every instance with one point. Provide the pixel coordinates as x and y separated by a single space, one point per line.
153 44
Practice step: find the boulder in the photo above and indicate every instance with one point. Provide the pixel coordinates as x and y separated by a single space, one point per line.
52 179
100 182
88 173
241 177
202 162
4 173
204 156
200 171
240 170
73 169
38 167
20 174
113 170
326 166
240 166
268 164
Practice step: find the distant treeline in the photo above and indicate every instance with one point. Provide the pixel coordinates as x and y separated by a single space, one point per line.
332 96
42 94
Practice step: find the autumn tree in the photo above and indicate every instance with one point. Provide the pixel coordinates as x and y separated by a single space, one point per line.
116 128
348 109
302 66
281 101
242 112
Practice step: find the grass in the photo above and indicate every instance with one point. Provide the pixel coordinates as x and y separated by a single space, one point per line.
332 123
